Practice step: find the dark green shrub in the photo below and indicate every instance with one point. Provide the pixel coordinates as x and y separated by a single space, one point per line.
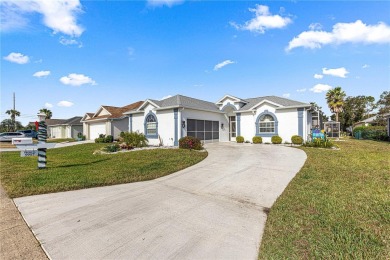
239 139
296 139
257 140
99 140
319 143
276 139
190 142
356 129
109 139
377 133
112 148
134 139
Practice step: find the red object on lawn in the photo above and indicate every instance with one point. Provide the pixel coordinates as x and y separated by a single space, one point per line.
36 125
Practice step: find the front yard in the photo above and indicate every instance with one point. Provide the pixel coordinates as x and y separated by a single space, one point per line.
337 207
76 167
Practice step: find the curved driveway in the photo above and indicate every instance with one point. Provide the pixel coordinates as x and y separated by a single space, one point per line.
213 210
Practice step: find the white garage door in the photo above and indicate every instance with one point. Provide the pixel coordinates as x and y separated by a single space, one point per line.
96 129
56 132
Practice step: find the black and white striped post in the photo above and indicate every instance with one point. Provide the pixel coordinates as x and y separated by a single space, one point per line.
42 136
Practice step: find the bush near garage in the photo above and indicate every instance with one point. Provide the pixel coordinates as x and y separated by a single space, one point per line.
239 139
133 139
190 142
296 139
257 140
276 139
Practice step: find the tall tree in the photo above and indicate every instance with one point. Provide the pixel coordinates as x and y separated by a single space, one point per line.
335 99
13 113
47 112
356 109
383 106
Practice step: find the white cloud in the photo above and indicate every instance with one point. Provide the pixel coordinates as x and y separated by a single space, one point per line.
65 104
356 32
169 3
301 90
365 66
223 64
65 41
320 88
48 105
286 95
340 72
315 26
74 79
318 76
42 73
16 57
59 15
263 20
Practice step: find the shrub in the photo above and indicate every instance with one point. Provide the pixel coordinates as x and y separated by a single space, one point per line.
296 139
112 148
247 142
320 143
257 140
239 139
134 139
190 142
276 139
99 140
109 139
378 133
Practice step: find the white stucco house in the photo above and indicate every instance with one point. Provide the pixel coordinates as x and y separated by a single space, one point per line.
166 121
64 128
107 120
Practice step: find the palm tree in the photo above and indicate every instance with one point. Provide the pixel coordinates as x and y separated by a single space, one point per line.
13 113
335 99
47 112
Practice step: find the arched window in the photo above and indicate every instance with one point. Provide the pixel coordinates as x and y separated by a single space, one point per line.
266 124
151 126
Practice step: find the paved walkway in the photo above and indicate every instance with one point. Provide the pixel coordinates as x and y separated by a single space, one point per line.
213 210
58 145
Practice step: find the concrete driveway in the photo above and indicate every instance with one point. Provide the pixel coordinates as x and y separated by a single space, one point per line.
213 210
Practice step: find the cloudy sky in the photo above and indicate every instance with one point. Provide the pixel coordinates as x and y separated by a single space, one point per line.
73 56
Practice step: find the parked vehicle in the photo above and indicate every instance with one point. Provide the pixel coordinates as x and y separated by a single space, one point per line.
7 136
29 133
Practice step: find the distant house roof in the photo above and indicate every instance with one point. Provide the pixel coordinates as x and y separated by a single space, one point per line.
114 112
71 121
284 102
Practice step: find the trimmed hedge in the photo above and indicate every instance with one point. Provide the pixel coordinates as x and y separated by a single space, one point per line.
378 133
190 142
296 139
257 140
276 139
239 139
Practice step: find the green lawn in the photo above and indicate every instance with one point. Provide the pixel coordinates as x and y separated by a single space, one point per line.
60 140
76 167
337 207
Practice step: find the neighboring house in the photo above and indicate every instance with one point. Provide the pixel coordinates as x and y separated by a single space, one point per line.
366 122
166 121
107 120
64 128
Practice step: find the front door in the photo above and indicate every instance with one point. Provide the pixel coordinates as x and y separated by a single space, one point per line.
232 128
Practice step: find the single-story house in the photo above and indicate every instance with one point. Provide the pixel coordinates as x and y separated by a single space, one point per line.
165 121
366 122
108 120
64 128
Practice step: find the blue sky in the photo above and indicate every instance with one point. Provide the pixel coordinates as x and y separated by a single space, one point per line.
72 56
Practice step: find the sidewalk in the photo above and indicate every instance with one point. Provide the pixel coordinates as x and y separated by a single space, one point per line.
58 145
16 239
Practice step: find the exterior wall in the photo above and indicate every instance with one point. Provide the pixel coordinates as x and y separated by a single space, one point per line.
203 115
165 128
75 130
103 112
231 102
86 130
248 126
118 126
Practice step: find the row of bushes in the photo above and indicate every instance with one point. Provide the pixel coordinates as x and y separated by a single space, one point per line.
295 139
377 133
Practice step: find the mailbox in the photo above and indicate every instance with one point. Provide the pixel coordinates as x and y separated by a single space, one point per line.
22 141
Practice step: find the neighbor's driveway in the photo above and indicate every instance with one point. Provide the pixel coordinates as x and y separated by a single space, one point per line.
212 210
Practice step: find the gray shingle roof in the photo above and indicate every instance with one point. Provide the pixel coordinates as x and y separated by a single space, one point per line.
71 121
278 100
186 102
